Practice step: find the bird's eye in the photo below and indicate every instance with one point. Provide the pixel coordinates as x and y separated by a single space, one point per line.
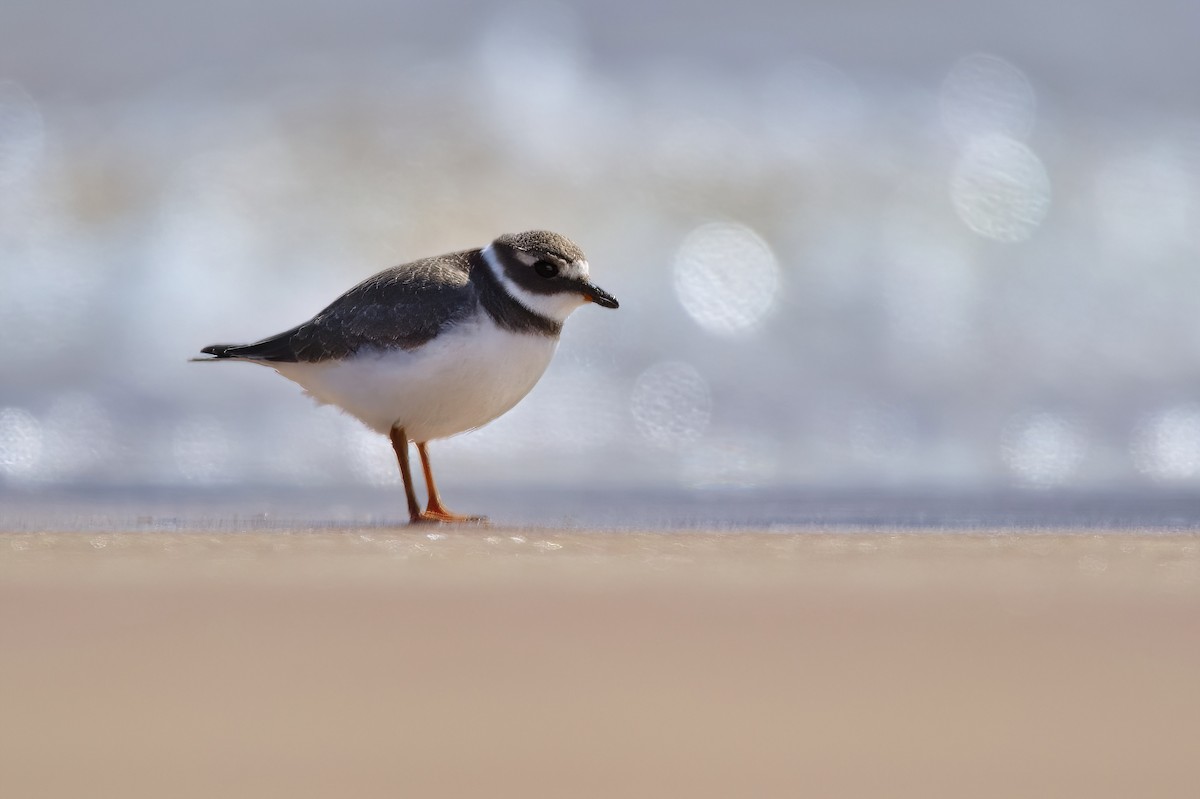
546 269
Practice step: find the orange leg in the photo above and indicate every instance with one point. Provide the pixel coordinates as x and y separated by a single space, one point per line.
435 510
400 444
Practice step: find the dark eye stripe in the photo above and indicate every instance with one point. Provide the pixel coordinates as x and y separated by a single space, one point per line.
546 269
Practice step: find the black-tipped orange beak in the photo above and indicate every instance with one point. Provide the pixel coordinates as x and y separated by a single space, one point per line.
593 293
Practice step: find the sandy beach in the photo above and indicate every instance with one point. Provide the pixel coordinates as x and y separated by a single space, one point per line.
540 662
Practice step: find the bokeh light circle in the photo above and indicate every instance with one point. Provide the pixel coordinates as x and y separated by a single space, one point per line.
371 460
1043 449
21 442
726 278
985 94
1166 447
671 404
1000 189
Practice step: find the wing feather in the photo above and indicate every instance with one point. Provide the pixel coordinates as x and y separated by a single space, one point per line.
404 306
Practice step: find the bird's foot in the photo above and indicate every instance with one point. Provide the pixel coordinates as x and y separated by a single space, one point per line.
445 516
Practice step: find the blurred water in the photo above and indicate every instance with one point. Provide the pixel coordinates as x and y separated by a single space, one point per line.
587 509
846 255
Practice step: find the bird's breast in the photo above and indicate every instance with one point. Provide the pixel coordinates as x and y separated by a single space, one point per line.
462 379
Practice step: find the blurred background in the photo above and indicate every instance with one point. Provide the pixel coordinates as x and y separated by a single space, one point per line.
864 244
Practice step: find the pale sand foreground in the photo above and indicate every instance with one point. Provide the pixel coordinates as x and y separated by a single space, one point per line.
550 664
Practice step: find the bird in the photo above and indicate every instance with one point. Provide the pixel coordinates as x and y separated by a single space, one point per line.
435 347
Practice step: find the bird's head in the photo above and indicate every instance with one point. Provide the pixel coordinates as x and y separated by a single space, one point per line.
546 272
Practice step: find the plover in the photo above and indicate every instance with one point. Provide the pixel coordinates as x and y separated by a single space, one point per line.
435 347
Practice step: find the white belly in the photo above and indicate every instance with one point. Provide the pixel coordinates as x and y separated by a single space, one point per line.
464 378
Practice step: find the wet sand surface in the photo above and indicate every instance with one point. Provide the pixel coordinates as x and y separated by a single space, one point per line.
540 662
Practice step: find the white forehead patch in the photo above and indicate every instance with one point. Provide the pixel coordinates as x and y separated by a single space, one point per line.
527 258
